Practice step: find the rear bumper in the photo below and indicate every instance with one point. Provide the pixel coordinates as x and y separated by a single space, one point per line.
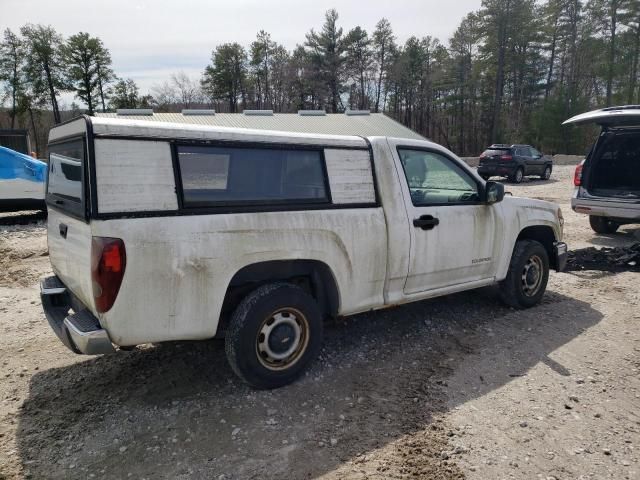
79 331
497 170
560 250
600 207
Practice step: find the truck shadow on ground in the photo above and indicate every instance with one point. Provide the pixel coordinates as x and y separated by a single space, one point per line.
177 411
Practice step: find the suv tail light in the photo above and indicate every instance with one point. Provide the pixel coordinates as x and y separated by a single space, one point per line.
506 158
577 177
108 261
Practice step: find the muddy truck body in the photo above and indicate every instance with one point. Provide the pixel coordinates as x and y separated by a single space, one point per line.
184 232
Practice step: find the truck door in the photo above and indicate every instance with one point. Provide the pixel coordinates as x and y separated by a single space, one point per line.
453 234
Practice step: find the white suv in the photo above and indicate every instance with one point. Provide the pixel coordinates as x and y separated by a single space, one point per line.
608 180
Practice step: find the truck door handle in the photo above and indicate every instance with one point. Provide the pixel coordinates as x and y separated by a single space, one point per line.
426 222
63 230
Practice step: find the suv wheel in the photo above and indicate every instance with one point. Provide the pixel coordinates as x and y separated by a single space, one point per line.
603 224
527 276
546 175
518 175
273 334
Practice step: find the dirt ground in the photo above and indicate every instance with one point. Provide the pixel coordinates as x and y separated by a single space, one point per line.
456 387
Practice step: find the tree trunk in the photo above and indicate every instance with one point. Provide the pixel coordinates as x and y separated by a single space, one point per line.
35 131
499 86
52 93
552 60
612 51
101 90
379 90
634 67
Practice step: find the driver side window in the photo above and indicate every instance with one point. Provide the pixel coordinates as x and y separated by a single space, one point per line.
434 179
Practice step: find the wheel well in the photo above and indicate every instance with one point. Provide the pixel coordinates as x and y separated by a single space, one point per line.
313 276
543 234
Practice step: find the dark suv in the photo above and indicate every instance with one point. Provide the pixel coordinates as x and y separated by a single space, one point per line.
514 162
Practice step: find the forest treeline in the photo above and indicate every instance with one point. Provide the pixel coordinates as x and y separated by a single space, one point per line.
511 72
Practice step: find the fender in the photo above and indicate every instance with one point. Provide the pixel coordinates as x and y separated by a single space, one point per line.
525 214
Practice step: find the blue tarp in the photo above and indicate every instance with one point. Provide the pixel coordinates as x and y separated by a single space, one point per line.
18 165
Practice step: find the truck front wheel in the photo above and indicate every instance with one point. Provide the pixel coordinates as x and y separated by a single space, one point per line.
527 276
273 335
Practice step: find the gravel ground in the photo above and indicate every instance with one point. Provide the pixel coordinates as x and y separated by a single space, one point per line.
449 388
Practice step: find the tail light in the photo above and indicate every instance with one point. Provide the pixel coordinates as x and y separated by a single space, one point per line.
108 261
577 177
506 158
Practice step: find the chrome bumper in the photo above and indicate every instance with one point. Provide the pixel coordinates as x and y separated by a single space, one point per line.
79 331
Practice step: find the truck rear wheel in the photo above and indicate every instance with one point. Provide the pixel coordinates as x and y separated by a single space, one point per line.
603 224
274 333
527 276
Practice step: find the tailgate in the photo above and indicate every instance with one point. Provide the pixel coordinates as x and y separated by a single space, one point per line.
69 232
70 253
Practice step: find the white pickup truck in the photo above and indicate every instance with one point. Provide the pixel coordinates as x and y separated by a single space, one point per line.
186 232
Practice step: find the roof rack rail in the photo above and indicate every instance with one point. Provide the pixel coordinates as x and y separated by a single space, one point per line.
312 113
265 113
134 111
357 112
198 111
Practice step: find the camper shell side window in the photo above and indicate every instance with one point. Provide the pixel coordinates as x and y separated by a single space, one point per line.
248 175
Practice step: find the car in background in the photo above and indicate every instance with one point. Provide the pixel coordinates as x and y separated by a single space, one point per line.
22 181
607 182
514 162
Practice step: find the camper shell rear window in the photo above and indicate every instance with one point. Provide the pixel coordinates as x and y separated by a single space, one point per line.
65 182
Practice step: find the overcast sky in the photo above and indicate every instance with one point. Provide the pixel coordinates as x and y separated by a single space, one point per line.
150 39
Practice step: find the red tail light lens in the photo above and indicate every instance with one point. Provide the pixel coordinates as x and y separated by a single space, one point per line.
108 262
506 158
577 177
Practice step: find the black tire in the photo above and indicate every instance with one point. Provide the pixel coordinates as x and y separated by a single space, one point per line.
518 175
248 348
546 175
603 224
516 289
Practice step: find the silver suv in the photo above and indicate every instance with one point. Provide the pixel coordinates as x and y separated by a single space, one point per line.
608 180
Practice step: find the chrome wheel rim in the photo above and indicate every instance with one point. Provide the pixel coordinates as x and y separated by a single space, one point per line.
282 338
532 275
547 174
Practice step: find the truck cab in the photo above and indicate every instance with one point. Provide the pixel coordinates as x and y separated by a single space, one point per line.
186 232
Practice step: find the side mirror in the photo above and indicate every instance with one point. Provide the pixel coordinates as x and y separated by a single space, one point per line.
493 192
